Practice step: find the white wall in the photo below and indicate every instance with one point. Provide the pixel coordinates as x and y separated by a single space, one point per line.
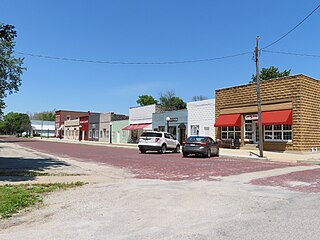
143 114
202 113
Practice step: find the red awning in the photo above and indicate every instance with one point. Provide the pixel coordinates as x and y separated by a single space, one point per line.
226 120
277 117
136 126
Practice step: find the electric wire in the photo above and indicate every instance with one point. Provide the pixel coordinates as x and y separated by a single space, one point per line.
294 54
132 63
294 28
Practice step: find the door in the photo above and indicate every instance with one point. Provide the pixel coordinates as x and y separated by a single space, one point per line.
255 132
182 136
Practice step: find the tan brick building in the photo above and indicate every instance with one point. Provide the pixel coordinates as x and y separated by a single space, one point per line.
290 113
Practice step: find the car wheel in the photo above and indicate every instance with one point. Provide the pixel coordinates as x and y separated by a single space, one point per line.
143 151
163 149
177 149
185 154
208 154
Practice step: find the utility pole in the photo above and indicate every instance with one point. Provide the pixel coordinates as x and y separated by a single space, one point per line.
259 97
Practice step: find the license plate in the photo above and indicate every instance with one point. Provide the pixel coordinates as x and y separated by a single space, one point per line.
192 145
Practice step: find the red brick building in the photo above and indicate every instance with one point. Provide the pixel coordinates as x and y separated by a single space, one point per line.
64 115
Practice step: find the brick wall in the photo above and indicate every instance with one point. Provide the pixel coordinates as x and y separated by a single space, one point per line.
300 90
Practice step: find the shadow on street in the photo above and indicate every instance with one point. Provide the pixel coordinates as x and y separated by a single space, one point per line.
14 169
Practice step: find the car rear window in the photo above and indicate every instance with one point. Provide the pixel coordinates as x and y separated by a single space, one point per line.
151 134
196 139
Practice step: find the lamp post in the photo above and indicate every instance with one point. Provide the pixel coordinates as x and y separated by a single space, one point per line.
110 133
168 120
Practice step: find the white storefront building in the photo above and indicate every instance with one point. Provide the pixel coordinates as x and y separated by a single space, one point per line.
140 119
201 118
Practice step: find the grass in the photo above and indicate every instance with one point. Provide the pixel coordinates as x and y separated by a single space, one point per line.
14 198
33 174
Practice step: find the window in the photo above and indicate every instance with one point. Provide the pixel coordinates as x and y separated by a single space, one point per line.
173 130
151 134
105 133
194 129
161 128
101 134
232 132
97 133
278 132
248 129
68 117
90 134
206 131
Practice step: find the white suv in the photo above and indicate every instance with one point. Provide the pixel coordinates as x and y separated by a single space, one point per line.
158 141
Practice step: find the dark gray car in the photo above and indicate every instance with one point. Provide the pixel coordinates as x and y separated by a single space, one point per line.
200 145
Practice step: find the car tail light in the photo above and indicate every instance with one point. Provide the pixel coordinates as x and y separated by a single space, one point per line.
183 143
157 139
203 143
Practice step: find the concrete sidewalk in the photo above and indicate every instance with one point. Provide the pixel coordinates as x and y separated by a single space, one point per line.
306 157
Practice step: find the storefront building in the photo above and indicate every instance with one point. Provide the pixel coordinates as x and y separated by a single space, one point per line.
72 129
64 115
119 135
201 118
290 113
140 119
174 122
84 128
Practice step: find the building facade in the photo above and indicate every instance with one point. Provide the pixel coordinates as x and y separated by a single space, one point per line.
174 122
64 115
94 127
72 129
140 119
201 118
43 128
290 113
119 135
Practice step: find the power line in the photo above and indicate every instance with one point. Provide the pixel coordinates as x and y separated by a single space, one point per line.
294 54
292 28
133 63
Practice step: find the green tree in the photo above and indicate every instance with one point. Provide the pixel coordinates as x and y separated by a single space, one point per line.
170 101
15 123
270 73
45 116
145 100
199 98
10 67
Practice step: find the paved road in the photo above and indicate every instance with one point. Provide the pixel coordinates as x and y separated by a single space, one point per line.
170 166
149 208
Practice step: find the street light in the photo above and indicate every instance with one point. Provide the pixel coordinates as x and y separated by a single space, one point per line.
168 120
110 133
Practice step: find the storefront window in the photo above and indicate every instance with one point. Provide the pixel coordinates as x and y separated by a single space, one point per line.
194 129
231 132
248 130
173 130
278 132
161 128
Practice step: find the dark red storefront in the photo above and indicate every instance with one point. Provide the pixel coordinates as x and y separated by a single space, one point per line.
84 128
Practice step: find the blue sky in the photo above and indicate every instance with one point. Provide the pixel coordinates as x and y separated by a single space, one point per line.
150 31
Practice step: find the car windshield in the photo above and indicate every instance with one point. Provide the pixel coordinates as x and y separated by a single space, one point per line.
151 134
196 139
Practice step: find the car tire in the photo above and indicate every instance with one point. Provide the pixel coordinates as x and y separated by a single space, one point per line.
177 149
208 153
217 155
163 149
185 154
143 151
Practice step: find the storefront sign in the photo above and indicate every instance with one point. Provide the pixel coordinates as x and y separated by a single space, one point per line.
251 117
173 120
